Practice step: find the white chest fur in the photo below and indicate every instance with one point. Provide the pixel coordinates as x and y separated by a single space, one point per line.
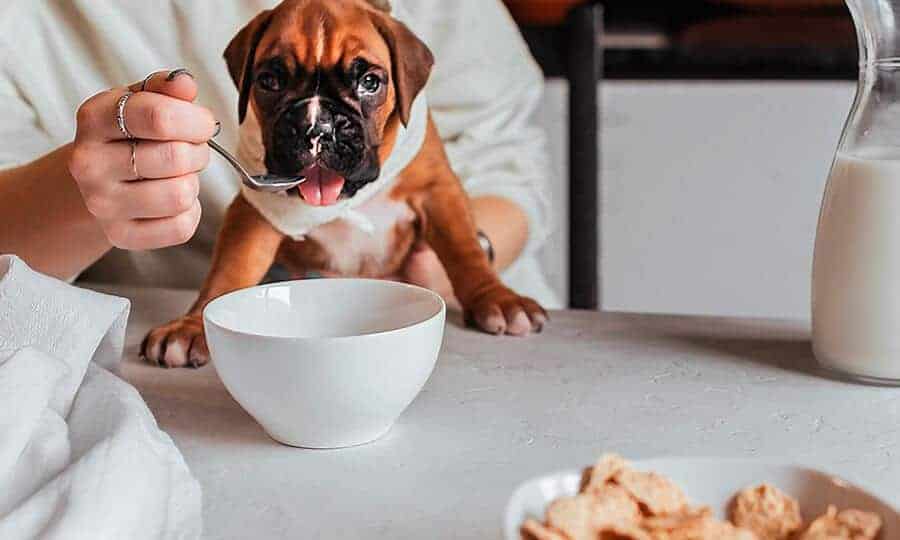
353 250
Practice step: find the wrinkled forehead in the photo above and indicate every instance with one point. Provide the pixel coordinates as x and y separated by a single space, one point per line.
317 34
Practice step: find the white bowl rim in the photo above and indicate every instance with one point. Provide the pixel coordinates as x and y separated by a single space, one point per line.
866 488
442 308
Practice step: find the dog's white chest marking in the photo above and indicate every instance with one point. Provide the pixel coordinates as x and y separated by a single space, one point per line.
352 250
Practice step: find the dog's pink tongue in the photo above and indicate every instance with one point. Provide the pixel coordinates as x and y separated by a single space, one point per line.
322 186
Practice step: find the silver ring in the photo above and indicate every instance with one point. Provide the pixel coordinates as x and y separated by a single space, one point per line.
134 143
146 80
120 115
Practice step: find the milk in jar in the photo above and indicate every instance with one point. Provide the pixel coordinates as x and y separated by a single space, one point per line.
856 276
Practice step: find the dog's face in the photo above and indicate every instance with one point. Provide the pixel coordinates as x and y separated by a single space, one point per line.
327 83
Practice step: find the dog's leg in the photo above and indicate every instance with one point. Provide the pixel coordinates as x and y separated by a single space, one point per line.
245 249
488 303
449 229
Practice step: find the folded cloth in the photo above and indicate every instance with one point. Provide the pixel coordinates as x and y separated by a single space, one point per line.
81 456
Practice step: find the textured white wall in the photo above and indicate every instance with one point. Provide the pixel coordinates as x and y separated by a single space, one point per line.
711 192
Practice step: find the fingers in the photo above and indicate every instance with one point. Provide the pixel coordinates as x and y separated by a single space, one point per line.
148 115
154 233
145 199
154 159
178 83
144 194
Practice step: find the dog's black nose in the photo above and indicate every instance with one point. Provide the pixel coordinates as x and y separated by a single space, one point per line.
322 126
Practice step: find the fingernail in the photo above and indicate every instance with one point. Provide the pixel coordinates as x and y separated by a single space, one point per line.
218 129
178 72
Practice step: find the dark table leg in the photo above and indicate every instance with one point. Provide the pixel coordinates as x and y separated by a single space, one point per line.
584 66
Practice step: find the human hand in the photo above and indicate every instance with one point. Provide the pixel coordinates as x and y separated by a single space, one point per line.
423 268
144 192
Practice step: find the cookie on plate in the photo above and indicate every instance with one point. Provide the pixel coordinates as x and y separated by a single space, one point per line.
767 511
844 525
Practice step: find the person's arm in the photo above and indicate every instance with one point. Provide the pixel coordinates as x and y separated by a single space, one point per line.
501 220
482 100
505 224
44 220
63 211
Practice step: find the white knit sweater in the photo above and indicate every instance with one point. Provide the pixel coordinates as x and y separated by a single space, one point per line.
56 53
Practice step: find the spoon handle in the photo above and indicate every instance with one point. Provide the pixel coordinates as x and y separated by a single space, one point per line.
232 160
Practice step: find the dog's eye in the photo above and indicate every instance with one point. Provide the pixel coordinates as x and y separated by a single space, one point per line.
370 84
269 81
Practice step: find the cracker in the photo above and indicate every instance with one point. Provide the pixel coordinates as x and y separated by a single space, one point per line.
866 523
624 531
688 524
533 530
767 511
598 476
845 525
656 494
694 525
679 519
722 530
613 505
573 516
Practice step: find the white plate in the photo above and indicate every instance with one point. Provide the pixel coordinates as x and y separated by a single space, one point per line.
714 482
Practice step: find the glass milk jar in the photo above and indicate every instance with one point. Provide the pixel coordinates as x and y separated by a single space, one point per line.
856 268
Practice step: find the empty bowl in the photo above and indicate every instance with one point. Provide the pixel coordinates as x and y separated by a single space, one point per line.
325 363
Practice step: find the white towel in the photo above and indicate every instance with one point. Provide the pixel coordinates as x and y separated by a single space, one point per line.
80 454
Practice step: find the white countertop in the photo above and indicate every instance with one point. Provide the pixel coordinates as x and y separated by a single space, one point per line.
498 411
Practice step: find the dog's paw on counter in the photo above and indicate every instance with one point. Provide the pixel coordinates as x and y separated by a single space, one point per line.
180 343
499 310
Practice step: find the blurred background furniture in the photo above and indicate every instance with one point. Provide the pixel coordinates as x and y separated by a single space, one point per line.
719 119
565 36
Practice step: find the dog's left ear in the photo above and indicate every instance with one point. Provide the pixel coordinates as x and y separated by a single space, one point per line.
411 58
240 55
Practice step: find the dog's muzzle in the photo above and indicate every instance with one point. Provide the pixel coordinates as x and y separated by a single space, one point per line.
318 131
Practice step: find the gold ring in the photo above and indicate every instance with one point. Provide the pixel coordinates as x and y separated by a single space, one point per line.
134 144
120 115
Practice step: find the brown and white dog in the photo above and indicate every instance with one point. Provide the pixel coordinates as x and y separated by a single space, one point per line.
325 88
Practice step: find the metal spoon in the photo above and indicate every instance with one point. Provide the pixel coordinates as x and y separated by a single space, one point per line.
261 182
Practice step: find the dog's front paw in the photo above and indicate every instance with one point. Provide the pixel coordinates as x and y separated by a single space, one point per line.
180 343
501 311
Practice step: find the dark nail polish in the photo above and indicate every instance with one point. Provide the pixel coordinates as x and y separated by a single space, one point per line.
178 72
218 129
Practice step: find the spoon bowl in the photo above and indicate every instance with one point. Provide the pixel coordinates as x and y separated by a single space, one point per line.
270 183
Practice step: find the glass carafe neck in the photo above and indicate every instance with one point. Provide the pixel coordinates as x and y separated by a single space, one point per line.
873 126
878 30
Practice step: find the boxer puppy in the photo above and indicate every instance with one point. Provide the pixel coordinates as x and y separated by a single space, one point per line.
326 87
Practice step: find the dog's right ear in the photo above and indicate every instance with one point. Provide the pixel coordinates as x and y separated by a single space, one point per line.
240 55
411 58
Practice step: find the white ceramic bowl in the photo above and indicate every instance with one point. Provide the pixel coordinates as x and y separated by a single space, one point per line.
325 363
